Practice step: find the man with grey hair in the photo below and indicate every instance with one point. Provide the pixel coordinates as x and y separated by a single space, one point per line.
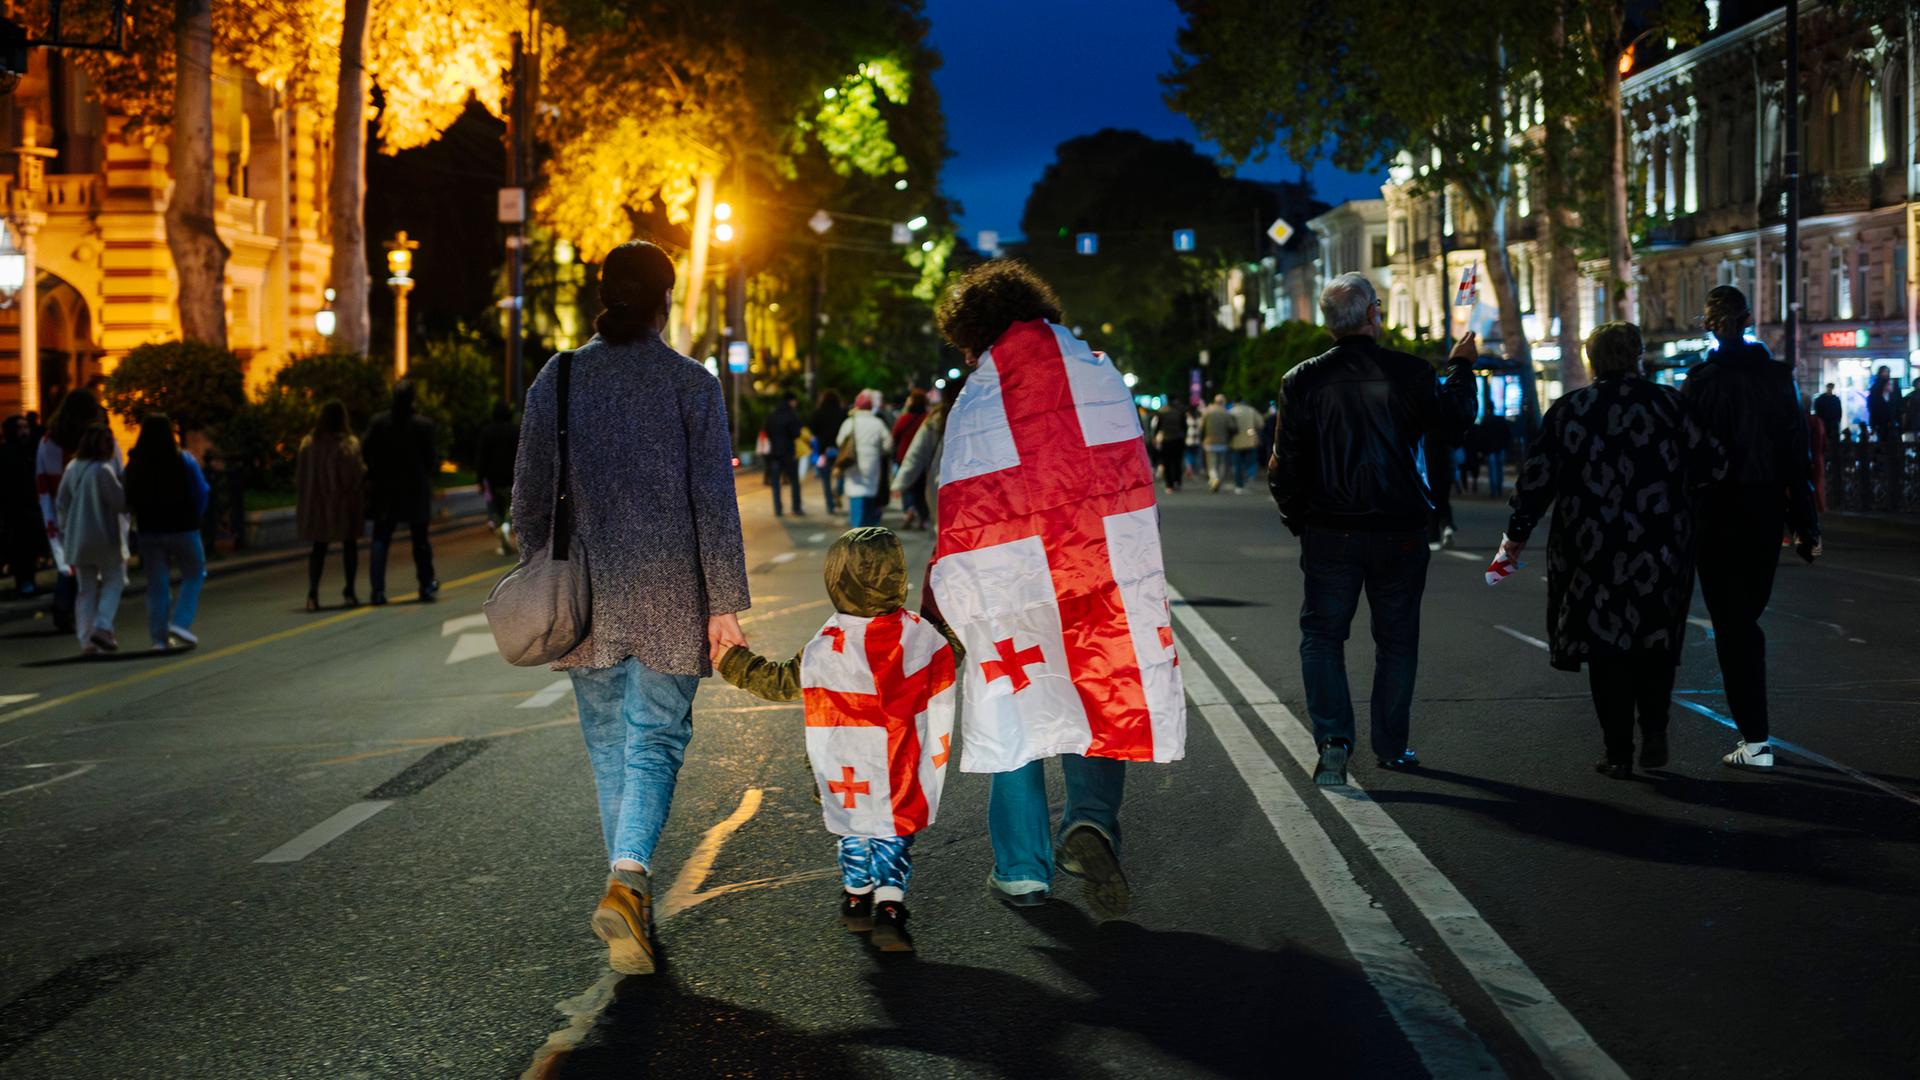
1345 475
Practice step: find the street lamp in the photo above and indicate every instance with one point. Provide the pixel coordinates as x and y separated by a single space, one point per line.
19 272
723 218
400 265
323 320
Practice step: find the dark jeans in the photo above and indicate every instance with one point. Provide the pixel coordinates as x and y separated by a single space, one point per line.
383 539
787 470
1740 534
1625 683
1173 464
1392 568
317 563
829 484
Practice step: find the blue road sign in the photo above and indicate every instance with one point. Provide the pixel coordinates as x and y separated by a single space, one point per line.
1183 239
1086 243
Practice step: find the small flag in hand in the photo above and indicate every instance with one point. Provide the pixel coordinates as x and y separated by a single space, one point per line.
1500 568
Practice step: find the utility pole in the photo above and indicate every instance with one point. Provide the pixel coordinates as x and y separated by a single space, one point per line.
1791 263
519 182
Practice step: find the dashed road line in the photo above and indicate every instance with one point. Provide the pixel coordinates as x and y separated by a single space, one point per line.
553 692
1527 638
1557 1038
762 616
49 782
325 833
1458 554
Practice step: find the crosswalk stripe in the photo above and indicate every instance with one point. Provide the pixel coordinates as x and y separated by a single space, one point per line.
1439 1034
553 692
1563 1045
325 833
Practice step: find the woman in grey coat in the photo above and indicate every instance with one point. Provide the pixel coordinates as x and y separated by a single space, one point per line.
650 468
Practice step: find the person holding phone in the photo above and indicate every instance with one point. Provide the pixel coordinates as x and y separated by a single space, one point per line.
1751 404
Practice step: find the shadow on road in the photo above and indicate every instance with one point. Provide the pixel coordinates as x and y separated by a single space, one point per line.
125 654
1826 852
1213 1005
655 1027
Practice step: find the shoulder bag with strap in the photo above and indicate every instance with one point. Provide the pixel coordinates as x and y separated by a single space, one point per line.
542 609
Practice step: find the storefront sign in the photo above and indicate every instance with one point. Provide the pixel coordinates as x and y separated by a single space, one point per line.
1844 339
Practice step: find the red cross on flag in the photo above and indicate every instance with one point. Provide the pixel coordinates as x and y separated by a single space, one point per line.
1048 565
880 709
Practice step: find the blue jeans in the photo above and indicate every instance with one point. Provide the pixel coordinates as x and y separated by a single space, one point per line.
1020 824
787 470
160 553
863 510
636 722
1392 567
1245 464
828 488
881 865
383 539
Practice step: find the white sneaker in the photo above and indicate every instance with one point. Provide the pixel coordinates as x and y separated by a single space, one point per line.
183 634
1750 755
1446 537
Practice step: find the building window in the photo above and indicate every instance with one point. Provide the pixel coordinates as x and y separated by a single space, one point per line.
1862 297
1522 191
1378 254
1876 127
1779 271
1839 287
1446 213
1523 282
1896 278
1692 202
1835 144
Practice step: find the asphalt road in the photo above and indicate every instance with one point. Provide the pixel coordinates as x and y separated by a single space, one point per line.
435 854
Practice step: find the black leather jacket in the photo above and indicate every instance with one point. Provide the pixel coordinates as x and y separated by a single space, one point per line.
1749 401
1350 423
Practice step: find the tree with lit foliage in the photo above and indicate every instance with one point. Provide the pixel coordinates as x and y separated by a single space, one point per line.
841 116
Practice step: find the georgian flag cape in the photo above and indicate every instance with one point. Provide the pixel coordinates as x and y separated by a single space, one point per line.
879 696
1048 565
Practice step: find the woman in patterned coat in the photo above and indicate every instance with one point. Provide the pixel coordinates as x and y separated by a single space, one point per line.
1619 461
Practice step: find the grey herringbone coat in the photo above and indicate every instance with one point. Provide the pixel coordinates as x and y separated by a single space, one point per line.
653 496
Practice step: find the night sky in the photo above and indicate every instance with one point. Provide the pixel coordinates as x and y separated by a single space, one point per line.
1023 76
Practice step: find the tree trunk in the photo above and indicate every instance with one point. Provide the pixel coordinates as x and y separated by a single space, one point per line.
1563 258
346 202
199 255
1620 289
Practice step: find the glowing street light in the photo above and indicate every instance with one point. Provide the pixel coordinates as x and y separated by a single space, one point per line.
953 373
918 223
723 232
723 222
900 184
324 319
400 251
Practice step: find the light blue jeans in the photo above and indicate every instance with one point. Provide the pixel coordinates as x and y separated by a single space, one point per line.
160 553
880 865
1021 826
636 722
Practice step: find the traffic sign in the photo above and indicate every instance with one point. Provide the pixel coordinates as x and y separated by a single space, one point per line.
1280 232
513 206
988 241
1086 243
1183 239
901 233
737 357
820 222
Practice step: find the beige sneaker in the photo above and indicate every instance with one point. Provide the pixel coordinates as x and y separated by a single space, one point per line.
624 920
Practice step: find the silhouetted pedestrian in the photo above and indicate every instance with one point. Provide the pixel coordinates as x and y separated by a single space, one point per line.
91 505
168 494
783 455
402 457
493 458
332 506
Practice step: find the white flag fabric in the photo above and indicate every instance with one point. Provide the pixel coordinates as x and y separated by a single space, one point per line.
879 696
1048 566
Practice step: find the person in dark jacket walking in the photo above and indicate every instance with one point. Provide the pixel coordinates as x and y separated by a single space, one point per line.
332 499
1751 405
499 445
401 455
1827 407
1345 477
651 486
1620 461
783 461
829 414
1170 443
167 494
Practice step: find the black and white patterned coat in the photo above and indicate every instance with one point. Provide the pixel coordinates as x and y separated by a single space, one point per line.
1619 462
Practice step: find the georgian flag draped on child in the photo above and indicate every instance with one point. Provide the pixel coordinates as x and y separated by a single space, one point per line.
1048 566
880 707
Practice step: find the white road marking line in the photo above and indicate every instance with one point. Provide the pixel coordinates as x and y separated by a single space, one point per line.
471 647
1704 624
553 692
1467 555
759 616
1828 564
462 624
1518 636
324 833
783 557
816 538
1801 751
1563 1045
1423 1011
81 771
15 699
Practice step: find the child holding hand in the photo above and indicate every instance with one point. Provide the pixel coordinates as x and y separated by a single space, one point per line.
877 682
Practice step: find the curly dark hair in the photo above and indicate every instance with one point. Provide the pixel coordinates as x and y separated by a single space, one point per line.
988 299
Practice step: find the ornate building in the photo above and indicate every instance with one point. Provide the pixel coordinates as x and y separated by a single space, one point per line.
105 279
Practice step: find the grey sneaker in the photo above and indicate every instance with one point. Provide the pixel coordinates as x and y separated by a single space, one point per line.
1086 854
1022 898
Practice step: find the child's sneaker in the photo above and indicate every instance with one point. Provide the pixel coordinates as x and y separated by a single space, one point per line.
856 911
890 927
